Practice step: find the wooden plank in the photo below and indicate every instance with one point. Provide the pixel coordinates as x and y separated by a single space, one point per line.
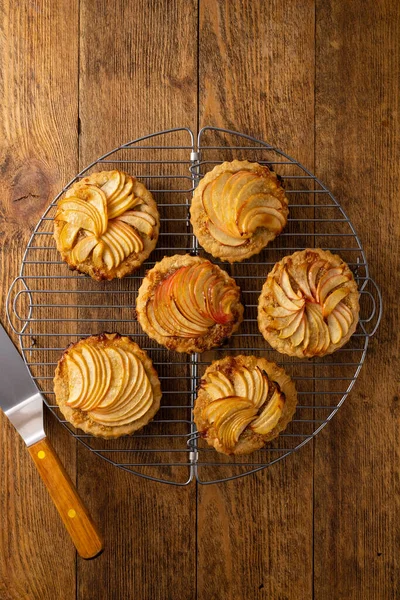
39 104
138 76
357 142
256 76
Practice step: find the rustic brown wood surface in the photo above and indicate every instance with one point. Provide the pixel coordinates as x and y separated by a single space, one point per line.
318 79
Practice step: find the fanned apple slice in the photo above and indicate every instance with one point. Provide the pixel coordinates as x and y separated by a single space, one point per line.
183 287
313 274
313 329
219 410
68 235
104 366
111 238
260 389
212 194
84 213
124 191
287 286
306 340
217 290
335 329
332 272
333 299
81 363
128 377
185 327
269 417
262 217
237 185
116 208
76 382
154 322
257 202
95 197
139 220
324 337
200 277
94 379
112 184
132 235
110 260
299 335
279 312
342 321
117 377
221 383
223 238
125 238
78 219
97 256
283 300
284 322
241 387
230 430
301 278
345 311
331 284
83 248
288 331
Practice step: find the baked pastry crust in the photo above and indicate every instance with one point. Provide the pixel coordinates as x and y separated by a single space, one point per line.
272 196
132 261
216 334
249 441
81 419
296 265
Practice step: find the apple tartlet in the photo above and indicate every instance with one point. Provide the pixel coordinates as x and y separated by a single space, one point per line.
107 386
106 225
309 304
237 209
242 403
188 304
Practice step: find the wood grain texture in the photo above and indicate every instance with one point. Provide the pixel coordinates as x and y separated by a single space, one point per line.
357 532
39 102
255 534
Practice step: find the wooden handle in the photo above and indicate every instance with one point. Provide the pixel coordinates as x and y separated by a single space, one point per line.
64 495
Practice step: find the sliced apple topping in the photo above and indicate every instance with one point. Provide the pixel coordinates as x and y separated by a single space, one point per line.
308 305
114 220
270 415
236 402
237 204
190 301
109 384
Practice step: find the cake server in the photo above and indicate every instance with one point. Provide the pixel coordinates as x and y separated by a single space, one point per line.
22 403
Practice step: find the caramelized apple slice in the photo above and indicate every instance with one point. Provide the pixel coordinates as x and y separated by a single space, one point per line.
223 238
332 272
262 217
123 192
78 219
234 191
117 377
344 325
324 338
219 386
76 382
333 299
260 387
240 382
230 429
212 197
80 213
301 278
288 331
330 284
68 235
112 184
97 256
345 312
283 300
95 197
142 221
219 410
335 329
287 286
299 335
94 375
83 248
154 322
117 208
257 202
313 274
269 417
76 358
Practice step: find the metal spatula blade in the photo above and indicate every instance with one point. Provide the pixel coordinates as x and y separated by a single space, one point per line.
22 403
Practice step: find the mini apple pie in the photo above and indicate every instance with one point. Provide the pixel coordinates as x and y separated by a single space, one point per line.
188 304
107 386
309 304
237 209
242 403
106 225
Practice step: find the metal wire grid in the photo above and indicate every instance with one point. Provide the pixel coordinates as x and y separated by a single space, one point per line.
169 449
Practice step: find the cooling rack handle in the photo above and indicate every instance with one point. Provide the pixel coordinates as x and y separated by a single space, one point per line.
13 297
376 306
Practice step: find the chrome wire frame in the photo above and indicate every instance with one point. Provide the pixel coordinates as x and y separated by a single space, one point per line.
55 302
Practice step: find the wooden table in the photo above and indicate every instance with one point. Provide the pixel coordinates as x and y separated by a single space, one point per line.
321 81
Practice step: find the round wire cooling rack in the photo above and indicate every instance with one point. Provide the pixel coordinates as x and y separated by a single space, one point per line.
50 307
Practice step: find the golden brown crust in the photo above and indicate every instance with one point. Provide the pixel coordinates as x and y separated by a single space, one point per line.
216 334
81 419
266 299
260 238
131 262
249 441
